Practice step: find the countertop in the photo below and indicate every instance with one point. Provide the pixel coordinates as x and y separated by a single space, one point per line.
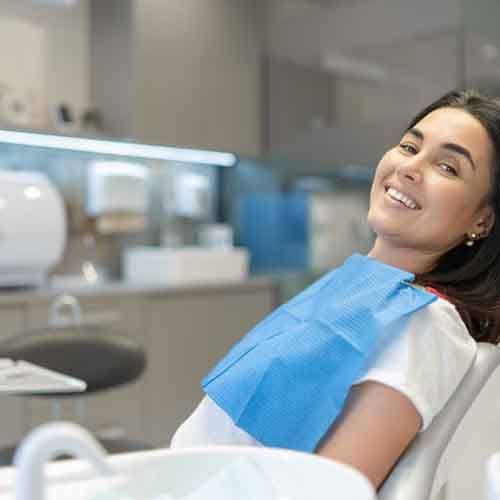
113 288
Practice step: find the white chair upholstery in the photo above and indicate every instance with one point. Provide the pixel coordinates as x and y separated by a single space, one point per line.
419 474
492 478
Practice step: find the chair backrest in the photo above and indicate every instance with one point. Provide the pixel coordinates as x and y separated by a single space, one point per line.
414 476
492 478
101 358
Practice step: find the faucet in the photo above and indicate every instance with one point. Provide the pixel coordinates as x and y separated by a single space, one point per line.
45 443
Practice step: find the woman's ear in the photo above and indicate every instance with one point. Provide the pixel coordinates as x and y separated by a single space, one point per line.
485 221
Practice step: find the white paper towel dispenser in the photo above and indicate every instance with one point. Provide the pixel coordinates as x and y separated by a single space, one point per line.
117 196
116 187
188 195
32 228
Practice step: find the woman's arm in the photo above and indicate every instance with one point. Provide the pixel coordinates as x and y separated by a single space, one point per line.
376 426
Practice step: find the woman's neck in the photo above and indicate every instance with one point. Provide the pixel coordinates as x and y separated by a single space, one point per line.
409 259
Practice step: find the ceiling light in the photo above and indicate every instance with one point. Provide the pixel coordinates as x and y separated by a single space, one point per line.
56 3
353 68
118 148
488 51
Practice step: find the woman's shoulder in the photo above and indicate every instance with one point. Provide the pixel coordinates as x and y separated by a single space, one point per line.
441 319
427 360
441 316
440 342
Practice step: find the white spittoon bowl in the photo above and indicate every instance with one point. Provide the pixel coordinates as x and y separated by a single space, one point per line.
242 473
204 473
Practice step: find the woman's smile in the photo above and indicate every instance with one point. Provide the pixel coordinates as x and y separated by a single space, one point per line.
399 199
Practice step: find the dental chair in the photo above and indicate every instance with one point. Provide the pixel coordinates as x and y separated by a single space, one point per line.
492 478
423 470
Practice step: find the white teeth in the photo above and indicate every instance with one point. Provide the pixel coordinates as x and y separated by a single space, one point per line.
402 197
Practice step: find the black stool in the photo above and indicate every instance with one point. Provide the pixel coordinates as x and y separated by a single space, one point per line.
101 358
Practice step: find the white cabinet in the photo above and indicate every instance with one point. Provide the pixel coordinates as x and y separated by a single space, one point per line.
178 72
300 102
187 335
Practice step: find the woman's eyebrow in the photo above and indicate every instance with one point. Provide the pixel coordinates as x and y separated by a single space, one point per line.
451 146
415 132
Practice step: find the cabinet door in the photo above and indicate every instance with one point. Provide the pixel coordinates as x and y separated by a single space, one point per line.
13 408
115 412
187 334
310 91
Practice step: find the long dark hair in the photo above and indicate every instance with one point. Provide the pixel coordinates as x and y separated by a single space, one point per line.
470 275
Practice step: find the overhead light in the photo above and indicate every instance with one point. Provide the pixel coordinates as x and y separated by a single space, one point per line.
488 51
56 3
118 148
353 68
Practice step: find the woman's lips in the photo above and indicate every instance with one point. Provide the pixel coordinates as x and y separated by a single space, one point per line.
399 198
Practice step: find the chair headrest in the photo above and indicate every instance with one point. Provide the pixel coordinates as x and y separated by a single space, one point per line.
413 476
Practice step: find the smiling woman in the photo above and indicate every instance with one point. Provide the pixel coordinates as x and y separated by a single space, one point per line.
448 162
360 362
431 178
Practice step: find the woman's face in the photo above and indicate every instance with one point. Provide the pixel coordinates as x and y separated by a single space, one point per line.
429 190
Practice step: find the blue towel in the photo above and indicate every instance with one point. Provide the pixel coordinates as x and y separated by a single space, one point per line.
287 380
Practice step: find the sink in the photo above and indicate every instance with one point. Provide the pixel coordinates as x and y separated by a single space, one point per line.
184 265
205 473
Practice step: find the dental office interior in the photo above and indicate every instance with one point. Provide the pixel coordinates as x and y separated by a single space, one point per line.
170 173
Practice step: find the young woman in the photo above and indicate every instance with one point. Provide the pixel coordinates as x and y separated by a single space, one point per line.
395 330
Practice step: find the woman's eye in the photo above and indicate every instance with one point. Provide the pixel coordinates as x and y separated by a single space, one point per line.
409 148
448 169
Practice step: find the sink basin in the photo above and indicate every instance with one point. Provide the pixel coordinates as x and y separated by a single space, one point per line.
184 265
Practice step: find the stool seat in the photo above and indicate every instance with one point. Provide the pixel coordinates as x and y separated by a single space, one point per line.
100 358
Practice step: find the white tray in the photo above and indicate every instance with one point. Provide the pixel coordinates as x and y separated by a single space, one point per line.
22 377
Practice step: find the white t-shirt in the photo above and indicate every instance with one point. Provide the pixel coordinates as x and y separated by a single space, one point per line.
425 363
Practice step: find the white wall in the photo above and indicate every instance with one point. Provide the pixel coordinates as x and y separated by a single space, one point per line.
66 48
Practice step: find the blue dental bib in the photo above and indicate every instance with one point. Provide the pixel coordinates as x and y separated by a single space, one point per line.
286 381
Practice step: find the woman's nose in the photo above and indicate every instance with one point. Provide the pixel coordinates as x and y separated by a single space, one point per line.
410 170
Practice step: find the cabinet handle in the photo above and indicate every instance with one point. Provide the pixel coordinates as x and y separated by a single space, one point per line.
61 302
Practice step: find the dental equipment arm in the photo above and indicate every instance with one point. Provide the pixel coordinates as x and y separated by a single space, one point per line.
45 443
